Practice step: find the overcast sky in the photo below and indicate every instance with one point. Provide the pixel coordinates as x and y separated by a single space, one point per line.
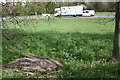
59 0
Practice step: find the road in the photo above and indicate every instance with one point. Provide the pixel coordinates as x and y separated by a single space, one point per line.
37 17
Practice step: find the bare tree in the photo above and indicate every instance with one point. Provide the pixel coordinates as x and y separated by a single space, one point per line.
116 45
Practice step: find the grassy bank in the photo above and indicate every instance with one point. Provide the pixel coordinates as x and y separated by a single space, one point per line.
82 45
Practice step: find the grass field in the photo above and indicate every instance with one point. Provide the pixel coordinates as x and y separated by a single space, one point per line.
83 45
104 13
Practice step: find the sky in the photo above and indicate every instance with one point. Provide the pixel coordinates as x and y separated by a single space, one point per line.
4 1
60 0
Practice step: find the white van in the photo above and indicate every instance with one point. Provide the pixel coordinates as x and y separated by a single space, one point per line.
88 13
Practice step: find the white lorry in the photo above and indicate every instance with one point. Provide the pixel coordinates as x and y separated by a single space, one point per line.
73 11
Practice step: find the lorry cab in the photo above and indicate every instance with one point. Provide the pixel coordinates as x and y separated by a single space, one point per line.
57 12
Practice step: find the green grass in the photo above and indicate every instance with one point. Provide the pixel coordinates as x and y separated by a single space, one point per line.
104 13
83 45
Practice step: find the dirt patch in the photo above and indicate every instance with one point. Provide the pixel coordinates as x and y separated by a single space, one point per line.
32 64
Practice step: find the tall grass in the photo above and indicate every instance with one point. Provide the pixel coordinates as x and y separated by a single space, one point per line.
82 45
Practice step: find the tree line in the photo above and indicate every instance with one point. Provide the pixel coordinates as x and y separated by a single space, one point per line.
30 8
